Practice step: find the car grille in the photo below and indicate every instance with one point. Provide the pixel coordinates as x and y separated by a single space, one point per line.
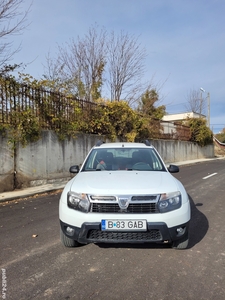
112 236
139 204
132 208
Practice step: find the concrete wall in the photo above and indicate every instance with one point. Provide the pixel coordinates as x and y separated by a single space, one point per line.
48 159
6 165
175 151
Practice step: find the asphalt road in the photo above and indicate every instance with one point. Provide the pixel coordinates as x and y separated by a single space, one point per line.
34 264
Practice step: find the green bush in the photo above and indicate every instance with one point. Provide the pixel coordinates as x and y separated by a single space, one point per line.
200 132
113 119
26 127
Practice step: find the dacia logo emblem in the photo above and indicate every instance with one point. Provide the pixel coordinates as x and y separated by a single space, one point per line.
123 202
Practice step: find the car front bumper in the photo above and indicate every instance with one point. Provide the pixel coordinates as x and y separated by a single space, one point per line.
157 232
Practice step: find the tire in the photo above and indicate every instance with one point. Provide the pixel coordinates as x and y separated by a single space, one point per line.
67 242
181 244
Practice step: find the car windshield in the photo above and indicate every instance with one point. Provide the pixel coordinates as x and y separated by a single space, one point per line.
114 159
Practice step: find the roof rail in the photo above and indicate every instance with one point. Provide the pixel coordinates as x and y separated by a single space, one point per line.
147 143
99 143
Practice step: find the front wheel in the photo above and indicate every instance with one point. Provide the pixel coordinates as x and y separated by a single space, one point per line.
67 242
181 244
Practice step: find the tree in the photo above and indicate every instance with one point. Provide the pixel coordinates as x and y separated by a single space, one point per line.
200 132
57 81
7 69
81 65
88 64
195 102
148 107
14 22
125 66
150 115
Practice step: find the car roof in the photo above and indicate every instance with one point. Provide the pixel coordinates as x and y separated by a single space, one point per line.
123 145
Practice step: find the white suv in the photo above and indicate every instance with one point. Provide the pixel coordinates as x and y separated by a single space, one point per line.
124 193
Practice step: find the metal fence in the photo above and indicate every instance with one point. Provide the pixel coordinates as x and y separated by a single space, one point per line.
45 105
52 108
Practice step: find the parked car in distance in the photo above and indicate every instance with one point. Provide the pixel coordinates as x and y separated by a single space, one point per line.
124 193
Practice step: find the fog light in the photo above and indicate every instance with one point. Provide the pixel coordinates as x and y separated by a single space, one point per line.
180 230
70 230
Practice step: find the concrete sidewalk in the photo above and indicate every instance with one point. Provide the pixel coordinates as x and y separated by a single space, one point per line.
31 191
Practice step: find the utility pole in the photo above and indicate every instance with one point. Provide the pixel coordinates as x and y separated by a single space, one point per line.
208 97
208 100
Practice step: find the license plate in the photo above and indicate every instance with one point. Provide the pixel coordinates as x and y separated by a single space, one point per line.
124 225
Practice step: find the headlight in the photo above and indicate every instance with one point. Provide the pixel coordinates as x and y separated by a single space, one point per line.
169 201
78 201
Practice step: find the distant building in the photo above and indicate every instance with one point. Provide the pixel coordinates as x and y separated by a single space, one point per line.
172 127
182 116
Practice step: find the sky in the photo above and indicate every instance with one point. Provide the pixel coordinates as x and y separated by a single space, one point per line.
184 41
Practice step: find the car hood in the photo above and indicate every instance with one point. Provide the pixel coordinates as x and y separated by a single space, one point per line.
124 182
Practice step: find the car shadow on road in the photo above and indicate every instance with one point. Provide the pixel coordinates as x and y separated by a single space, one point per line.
198 228
199 224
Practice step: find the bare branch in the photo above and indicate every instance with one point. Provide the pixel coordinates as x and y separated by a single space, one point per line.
196 102
126 66
94 60
13 21
85 60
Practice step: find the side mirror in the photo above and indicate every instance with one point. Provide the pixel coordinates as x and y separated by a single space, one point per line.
74 169
173 169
